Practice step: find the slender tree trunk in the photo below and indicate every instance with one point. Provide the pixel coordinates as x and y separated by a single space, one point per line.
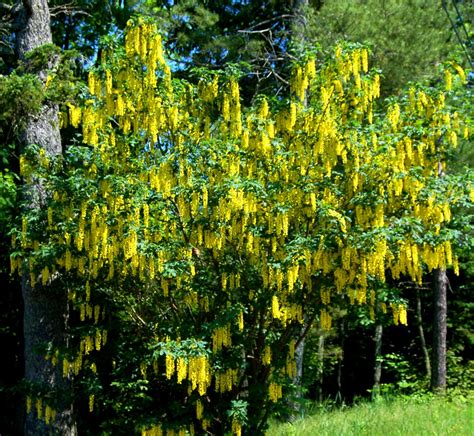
299 355
378 357
438 374
320 373
424 348
340 364
45 307
440 279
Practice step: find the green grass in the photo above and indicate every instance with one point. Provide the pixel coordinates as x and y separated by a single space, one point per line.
427 416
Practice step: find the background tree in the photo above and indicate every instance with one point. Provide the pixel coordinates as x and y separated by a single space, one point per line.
408 40
44 308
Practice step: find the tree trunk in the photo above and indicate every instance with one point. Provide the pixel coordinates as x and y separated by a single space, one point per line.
340 364
45 307
320 374
299 356
378 358
419 321
438 374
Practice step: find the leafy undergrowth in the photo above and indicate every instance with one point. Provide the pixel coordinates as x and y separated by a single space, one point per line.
420 416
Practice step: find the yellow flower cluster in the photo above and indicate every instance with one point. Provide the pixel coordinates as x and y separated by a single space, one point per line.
196 370
274 391
75 114
325 320
225 381
236 428
267 356
43 411
199 409
399 314
221 337
158 430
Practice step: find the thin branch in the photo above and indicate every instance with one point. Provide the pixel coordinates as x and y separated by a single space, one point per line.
67 9
449 285
271 20
458 36
460 18
6 7
136 316
255 31
279 77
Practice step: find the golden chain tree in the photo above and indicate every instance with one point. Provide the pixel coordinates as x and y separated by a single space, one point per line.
218 228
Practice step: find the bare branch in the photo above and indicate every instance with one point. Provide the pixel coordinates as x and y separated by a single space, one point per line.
67 9
279 77
255 31
272 20
135 316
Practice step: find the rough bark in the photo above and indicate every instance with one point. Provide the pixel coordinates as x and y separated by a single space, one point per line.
424 348
438 372
378 358
45 307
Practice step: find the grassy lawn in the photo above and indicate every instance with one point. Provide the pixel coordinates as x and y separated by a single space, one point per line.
387 417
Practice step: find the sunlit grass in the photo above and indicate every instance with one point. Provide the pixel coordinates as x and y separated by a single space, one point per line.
434 416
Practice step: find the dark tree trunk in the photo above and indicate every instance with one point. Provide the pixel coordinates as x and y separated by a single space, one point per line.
424 348
340 364
438 374
378 357
45 307
299 355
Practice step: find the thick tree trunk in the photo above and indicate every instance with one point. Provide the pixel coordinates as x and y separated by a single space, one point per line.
378 358
438 373
424 348
45 307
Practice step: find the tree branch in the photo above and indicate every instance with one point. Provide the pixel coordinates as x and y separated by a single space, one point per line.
271 20
67 9
6 7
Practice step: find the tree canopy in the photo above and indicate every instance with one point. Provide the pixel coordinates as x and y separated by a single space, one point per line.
215 230
191 192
